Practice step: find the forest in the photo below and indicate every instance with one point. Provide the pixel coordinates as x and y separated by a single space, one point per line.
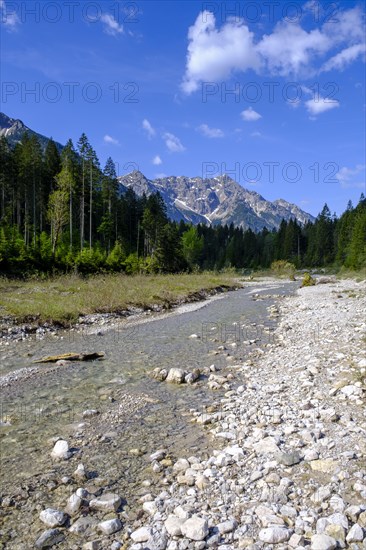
62 212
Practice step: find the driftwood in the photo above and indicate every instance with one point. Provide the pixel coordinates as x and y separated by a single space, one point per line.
71 357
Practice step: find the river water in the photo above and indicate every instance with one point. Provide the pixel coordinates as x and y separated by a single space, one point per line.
51 404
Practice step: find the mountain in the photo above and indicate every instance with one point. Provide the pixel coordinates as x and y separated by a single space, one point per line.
13 129
219 200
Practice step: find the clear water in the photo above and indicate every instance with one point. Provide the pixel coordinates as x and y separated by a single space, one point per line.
52 404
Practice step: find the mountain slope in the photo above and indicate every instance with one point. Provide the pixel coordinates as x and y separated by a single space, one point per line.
13 129
219 200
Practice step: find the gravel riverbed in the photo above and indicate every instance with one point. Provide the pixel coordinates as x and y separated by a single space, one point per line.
285 467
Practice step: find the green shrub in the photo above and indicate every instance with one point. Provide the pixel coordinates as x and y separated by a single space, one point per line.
283 268
89 261
307 280
116 258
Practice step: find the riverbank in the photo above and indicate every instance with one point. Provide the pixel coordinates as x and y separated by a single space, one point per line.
40 307
286 464
289 469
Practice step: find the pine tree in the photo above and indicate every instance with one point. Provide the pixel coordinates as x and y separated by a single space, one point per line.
109 197
83 146
69 160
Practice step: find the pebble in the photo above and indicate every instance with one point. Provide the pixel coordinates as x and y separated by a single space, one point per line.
110 526
49 538
195 528
61 450
52 518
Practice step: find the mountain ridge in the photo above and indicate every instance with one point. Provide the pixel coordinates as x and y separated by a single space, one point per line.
14 129
218 200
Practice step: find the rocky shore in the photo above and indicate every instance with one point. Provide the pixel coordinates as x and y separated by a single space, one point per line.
286 468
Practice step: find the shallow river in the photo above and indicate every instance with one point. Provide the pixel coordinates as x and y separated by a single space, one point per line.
52 404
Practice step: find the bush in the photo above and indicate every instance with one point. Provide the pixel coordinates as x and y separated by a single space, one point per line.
307 280
116 258
89 261
283 268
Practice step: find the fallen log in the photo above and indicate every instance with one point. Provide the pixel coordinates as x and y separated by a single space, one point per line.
71 357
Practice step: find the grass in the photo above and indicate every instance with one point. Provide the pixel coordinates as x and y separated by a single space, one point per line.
63 299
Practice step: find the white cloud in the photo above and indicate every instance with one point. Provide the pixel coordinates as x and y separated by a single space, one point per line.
150 131
112 26
256 134
157 160
346 176
215 53
205 130
318 105
9 19
250 115
173 143
111 140
344 58
290 49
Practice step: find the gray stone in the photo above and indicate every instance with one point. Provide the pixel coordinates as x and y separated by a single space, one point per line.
141 535
266 446
108 502
150 507
274 535
52 518
227 526
84 525
355 534
175 376
49 538
110 526
323 542
195 528
181 466
73 504
288 459
173 525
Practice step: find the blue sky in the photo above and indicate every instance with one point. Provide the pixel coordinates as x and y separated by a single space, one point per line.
271 93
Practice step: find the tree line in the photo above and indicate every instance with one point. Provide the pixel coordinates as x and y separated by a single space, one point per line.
62 212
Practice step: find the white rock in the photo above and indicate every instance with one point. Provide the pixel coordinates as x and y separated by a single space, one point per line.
351 390
52 518
61 450
321 494
80 472
82 493
108 502
73 504
158 455
355 534
150 507
266 446
141 535
110 526
175 375
323 542
274 535
195 528
173 525
227 526
181 466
